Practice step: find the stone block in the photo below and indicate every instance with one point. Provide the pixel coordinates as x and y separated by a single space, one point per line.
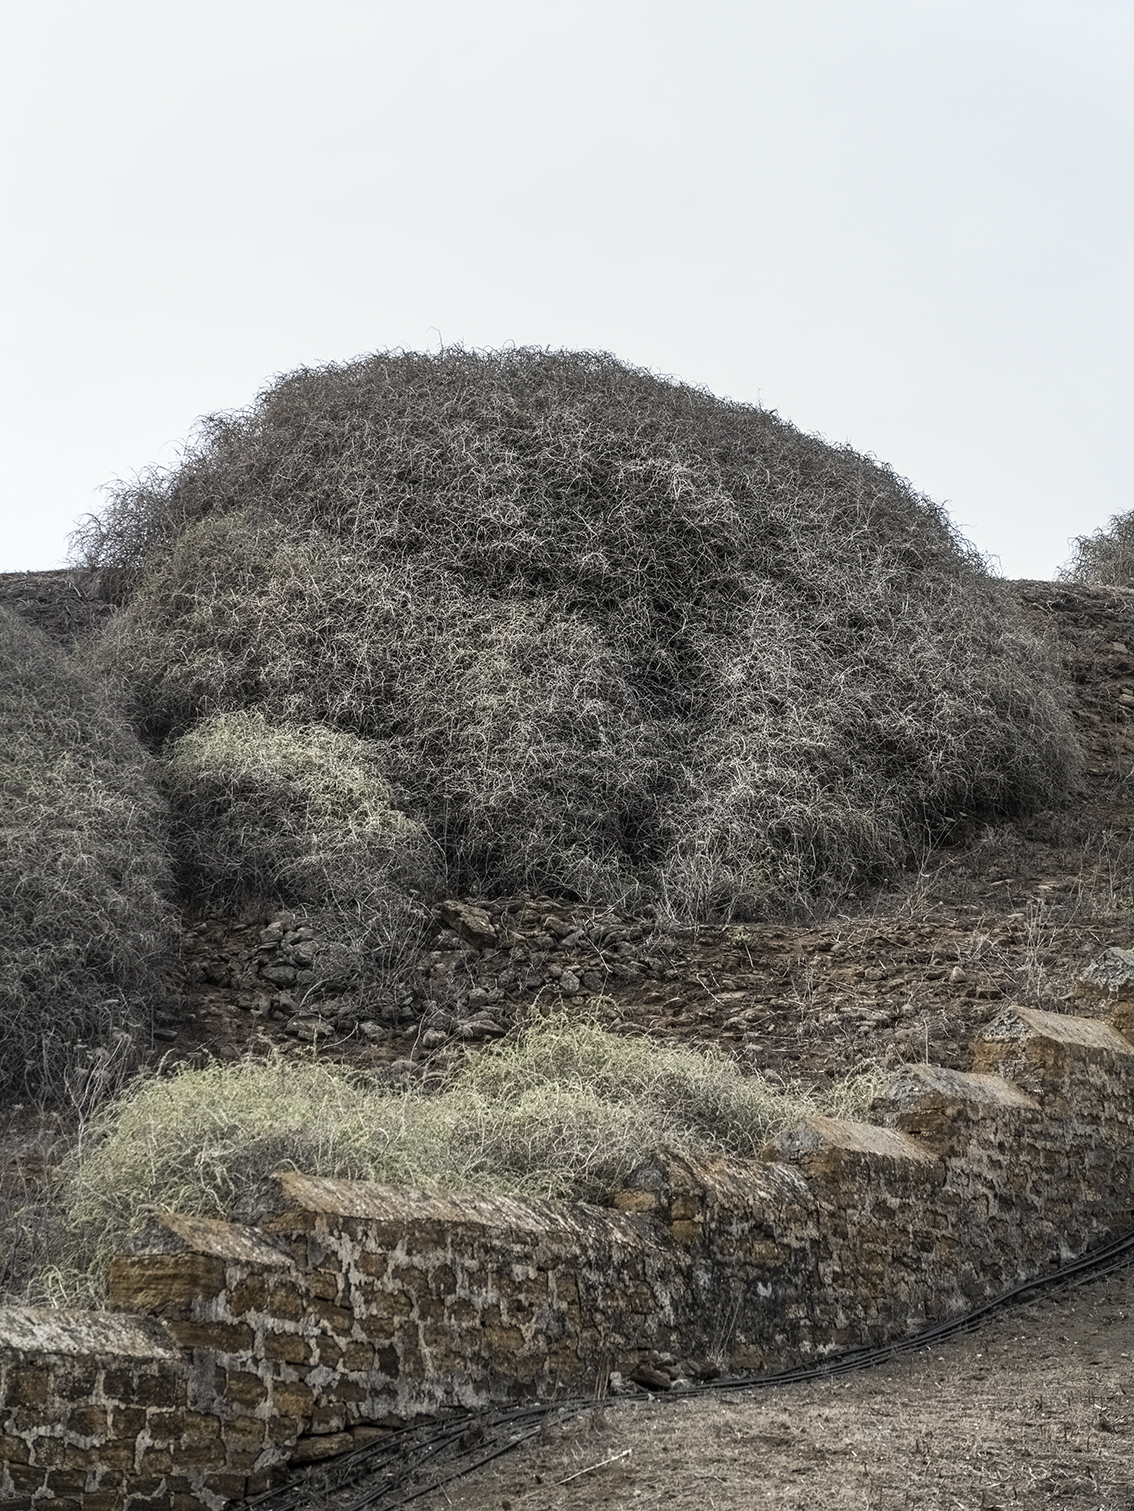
325 1446
230 1241
219 1337
242 1388
946 1110
1049 1041
28 1386
1108 980
164 1285
89 1422
292 1398
287 1348
162 1387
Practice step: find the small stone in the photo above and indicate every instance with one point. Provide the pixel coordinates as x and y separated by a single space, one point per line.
309 1029
279 975
371 1030
479 1028
650 1378
433 1038
472 924
958 973
569 983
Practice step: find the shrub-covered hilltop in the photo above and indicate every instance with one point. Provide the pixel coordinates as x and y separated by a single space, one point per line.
539 620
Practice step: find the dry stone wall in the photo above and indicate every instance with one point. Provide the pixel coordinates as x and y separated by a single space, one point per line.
239 1350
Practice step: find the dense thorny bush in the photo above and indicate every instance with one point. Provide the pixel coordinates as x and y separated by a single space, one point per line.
610 636
1105 558
89 933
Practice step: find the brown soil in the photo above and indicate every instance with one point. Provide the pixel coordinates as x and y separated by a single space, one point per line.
1034 1410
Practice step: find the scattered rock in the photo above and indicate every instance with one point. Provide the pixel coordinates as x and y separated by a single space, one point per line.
471 923
310 1029
650 1378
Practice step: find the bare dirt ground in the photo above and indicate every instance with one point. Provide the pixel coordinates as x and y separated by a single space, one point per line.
1033 1410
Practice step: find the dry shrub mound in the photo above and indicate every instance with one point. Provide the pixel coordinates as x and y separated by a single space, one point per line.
1106 558
613 637
566 1110
89 935
301 814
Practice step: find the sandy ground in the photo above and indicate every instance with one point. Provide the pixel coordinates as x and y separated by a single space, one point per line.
1033 1410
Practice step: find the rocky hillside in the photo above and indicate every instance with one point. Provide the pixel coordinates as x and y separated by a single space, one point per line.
1004 911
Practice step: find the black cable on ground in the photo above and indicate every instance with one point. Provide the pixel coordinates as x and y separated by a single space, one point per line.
476 1438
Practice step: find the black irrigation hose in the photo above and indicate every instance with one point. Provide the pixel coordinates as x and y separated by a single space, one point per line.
410 1448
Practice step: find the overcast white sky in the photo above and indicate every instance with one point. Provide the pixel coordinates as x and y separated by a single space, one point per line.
907 224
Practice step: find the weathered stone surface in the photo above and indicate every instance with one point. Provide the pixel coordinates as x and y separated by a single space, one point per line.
822 1136
1108 979
224 1240
42 1332
328 1446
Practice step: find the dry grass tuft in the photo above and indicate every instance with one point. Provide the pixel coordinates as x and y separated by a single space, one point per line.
303 814
566 1110
611 637
89 936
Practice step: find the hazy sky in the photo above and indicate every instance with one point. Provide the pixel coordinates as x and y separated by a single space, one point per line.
907 224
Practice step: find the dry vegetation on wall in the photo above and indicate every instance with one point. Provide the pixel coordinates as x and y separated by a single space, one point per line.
89 932
565 1109
607 635
1106 558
